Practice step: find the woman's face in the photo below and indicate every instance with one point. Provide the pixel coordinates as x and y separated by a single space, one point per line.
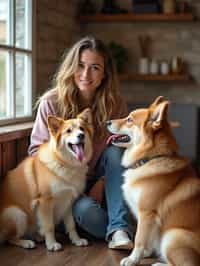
89 74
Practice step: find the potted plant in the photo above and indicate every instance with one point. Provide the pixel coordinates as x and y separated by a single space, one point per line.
120 55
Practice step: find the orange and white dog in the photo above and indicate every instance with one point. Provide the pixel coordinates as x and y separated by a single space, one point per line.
160 187
40 192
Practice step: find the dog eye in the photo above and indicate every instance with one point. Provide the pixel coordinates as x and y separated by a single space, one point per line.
81 128
69 130
129 120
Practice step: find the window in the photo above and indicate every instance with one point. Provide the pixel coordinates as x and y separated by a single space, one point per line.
16 57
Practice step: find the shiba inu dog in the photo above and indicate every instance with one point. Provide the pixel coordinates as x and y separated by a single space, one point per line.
39 193
160 187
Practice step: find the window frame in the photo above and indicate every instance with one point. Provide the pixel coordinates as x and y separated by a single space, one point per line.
14 49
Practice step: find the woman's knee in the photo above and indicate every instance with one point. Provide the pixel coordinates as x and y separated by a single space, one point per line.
89 215
82 206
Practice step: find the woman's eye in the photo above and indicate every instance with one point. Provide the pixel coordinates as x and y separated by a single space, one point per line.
95 68
80 65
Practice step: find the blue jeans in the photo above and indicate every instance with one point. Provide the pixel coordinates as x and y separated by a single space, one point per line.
89 215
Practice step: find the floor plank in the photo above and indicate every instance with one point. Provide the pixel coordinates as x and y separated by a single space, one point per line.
97 253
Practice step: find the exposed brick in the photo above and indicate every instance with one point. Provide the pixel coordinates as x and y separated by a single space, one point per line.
168 39
58 28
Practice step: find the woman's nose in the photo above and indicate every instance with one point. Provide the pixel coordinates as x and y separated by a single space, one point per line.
85 72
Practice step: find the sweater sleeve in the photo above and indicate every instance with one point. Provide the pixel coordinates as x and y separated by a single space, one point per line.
40 133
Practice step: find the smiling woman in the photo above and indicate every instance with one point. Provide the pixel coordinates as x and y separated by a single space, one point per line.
87 78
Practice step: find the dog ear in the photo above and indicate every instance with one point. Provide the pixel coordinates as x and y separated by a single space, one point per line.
86 115
157 101
54 123
159 114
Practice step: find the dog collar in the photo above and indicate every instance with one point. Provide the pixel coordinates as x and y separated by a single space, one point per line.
143 161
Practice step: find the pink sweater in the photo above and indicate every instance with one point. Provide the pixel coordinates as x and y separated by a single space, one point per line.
40 132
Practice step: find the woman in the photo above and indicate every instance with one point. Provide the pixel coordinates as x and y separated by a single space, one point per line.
87 78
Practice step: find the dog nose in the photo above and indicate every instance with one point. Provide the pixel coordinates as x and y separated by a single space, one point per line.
108 123
81 136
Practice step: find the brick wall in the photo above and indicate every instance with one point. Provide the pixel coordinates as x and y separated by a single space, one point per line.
168 39
57 29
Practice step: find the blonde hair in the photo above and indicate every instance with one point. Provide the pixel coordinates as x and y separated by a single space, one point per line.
107 94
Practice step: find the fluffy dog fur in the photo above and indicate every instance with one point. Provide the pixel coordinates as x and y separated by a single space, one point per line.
39 193
160 187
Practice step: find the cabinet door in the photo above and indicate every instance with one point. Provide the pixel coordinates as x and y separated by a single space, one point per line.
1 162
9 156
22 148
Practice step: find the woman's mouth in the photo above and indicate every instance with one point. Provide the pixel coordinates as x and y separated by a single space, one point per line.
85 82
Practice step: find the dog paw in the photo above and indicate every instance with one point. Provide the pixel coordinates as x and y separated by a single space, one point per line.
54 246
127 262
80 242
28 244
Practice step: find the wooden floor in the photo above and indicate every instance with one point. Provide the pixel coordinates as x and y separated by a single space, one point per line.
96 254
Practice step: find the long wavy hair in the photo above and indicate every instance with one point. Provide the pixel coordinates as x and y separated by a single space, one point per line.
107 94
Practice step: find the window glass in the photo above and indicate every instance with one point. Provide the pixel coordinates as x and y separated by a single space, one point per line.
3 83
4 21
20 84
15 60
20 24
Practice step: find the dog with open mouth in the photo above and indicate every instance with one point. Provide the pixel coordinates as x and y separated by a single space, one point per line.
39 193
160 187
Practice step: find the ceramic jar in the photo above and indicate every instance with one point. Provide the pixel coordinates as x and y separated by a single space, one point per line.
164 68
154 67
143 66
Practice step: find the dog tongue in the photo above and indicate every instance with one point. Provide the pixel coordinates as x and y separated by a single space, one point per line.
111 139
78 149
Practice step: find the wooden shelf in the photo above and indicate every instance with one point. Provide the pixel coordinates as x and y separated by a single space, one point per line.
134 18
139 77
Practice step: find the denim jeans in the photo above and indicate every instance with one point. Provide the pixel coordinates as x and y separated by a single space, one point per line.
89 215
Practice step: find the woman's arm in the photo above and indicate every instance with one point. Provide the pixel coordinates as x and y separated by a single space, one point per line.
40 133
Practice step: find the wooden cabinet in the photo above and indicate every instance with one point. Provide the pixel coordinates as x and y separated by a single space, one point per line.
14 142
